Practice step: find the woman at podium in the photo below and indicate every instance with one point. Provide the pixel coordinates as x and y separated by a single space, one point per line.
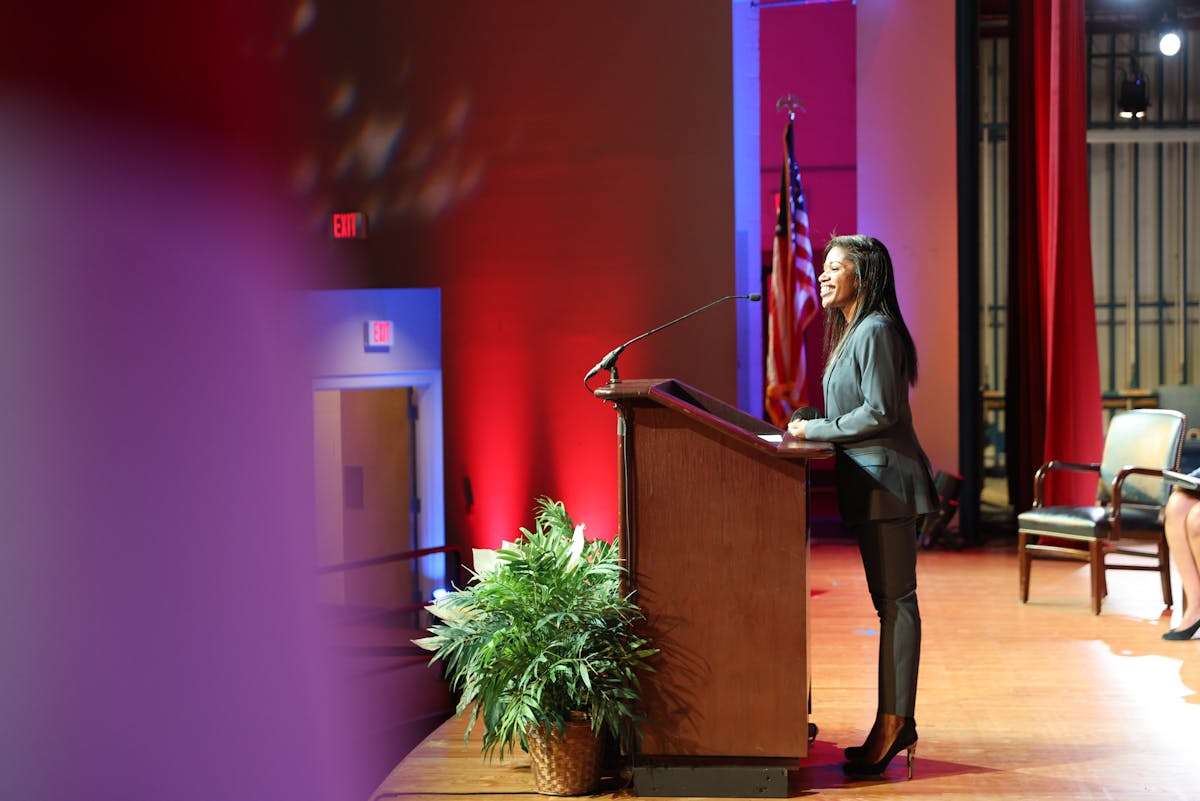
883 478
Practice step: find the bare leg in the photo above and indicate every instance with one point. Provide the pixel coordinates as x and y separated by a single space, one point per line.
1181 520
1191 612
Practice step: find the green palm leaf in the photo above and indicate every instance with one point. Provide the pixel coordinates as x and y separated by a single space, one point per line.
545 633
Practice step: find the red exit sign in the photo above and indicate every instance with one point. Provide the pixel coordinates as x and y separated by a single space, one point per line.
378 334
349 225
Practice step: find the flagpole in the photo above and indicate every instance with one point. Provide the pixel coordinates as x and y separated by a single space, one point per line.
792 300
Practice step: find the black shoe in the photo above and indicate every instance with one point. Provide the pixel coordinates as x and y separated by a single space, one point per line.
856 753
1183 634
906 740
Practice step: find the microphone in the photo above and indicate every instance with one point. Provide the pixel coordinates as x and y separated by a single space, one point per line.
609 362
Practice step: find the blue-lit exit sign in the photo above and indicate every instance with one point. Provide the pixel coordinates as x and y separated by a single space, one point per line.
378 334
348 225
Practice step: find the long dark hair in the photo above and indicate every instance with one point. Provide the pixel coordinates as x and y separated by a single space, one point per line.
876 292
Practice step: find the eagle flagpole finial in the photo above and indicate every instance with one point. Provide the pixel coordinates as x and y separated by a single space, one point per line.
791 103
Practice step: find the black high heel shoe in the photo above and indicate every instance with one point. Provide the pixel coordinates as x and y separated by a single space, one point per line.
856 753
906 740
1183 634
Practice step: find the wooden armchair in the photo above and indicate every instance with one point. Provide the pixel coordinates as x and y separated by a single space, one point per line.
1138 447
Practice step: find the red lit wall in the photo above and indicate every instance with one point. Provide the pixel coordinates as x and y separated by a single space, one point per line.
564 174
565 177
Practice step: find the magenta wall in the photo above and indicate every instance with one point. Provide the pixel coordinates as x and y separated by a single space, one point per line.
876 152
808 51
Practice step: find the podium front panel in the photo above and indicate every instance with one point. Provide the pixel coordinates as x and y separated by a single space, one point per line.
716 538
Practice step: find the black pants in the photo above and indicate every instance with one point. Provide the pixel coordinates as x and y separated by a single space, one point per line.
889 555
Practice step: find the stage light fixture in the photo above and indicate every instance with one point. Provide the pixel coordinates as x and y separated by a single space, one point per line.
1170 37
1133 99
1169 43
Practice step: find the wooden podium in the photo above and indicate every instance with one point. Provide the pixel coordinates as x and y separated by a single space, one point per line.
714 524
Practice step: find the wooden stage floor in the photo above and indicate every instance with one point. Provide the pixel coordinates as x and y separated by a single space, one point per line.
1038 701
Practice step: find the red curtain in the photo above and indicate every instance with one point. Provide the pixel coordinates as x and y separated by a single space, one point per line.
1053 391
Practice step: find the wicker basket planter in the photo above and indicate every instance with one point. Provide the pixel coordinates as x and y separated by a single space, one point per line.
569 765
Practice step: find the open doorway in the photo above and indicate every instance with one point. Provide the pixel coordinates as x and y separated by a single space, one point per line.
379 509
367 494
377 437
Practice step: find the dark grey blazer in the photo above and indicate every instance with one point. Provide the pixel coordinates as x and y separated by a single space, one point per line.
882 472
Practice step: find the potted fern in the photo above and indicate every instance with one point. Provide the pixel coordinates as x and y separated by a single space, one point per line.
541 646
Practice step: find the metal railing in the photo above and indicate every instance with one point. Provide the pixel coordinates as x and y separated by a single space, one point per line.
395 617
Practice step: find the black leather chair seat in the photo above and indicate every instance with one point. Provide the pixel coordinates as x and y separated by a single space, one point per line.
1089 522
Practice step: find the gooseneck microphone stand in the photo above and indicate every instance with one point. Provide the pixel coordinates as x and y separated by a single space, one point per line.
609 362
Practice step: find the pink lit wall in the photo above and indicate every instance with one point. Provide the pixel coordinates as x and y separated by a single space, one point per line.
907 190
808 51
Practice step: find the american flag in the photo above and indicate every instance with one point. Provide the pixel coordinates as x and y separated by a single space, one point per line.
792 300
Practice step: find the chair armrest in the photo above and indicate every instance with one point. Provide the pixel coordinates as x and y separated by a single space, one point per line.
1039 478
1118 482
